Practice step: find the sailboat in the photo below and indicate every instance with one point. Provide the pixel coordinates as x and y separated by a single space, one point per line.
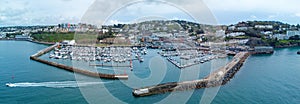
131 67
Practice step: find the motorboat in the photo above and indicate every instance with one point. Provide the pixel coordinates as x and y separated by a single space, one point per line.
58 57
51 56
10 85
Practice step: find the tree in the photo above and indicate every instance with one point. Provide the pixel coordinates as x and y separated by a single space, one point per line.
108 34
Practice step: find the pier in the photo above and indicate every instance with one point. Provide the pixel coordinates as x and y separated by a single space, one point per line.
217 78
182 66
72 69
105 65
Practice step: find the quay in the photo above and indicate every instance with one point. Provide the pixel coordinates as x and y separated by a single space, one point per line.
36 56
182 66
217 78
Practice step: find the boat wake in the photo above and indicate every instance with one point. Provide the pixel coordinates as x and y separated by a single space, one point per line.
64 84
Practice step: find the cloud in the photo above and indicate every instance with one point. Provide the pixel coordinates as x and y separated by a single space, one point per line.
126 10
254 5
271 16
39 12
239 10
253 17
117 22
32 12
297 14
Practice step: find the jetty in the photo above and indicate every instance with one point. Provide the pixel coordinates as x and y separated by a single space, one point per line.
36 56
105 65
177 64
217 78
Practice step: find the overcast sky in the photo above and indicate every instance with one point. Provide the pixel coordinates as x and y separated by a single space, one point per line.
45 12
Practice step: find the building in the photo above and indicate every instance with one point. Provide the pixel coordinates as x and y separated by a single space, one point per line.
267 32
234 34
263 50
231 28
68 42
163 35
291 33
264 26
242 28
22 37
2 36
220 33
279 36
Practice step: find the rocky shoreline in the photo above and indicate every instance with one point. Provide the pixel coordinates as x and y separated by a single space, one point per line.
288 46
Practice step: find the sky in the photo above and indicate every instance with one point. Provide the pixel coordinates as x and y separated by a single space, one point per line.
52 12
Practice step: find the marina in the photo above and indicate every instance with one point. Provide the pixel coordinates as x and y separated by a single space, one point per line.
258 76
149 52
98 54
217 78
187 58
124 56
72 69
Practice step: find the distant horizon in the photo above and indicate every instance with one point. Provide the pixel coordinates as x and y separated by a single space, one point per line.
149 20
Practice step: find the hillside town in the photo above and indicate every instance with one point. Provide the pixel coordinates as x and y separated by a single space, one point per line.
171 35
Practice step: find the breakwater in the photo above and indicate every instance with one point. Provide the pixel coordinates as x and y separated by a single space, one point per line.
217 78
72 69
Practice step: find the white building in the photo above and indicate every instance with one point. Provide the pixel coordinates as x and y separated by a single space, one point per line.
231 28
266 32
291 33
279 36
2 35
220 33
264 26
69 42
234 34
242 28
163 35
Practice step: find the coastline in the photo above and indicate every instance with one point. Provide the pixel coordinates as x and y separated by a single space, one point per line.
288 46
37 42
242 86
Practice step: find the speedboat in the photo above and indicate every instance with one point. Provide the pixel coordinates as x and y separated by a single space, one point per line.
10 85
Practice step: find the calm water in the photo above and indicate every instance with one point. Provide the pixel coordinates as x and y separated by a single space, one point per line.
263 79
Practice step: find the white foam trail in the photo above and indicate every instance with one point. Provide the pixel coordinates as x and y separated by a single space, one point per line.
64 84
